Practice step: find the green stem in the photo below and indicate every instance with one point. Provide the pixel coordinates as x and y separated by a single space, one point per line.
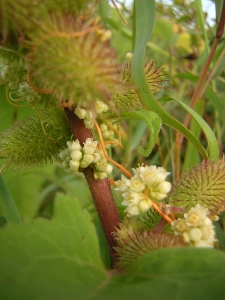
7 204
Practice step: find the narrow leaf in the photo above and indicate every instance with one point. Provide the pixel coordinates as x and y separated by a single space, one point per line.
144 25
7 204
212 141
191 156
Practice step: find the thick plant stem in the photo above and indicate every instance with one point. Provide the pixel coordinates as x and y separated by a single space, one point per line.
100 189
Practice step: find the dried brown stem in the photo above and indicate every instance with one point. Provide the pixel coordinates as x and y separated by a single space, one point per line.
219 33
100 189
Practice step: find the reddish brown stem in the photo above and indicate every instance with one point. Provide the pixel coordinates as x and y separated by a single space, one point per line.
100 189
219 33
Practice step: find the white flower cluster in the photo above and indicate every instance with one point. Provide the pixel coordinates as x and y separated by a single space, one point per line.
8 76
27 92
87 115
108 133
76 157
196 228
148 183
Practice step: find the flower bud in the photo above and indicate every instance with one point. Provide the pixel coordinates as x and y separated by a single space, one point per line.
62 154
13 85
103 127
101 165
83 165
193 219
24 88
180 226
96 157
109 169
129 55
76 155
90 146
106 134
80 112
75 145
89 123
88 159
195 234
30 98
136 185
144 205
74 165
206 232
100 175
101 107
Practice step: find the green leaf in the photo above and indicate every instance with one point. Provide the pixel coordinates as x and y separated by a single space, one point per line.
137 135
201 21
212 141
219 106
220 235
10 114
57 259
7 203
144 26
191 156
187 274
154 124
25 187
210 94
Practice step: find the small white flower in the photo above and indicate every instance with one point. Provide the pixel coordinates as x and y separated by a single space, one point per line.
207 232
90 115
75 145
129 55
144 205
96 157
90 146
186 237
108 169
106 134
136 185
76 155
74 165
179 226
193 219
88 159
203 244
103 127
195 234
83 165
198 228
101 165
150 179
123 184
80 112
100 175
101 107
132 210
89 123
62 154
